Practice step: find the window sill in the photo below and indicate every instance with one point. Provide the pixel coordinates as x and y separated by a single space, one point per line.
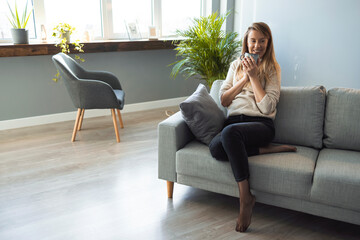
34 49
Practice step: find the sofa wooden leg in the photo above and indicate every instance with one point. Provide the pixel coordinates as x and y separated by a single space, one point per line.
170 188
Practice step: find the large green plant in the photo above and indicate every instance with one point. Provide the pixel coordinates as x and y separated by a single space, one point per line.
206 51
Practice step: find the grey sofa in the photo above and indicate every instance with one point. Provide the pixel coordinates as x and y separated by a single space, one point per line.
322 178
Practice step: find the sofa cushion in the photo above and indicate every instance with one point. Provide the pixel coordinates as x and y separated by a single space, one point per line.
202 115
300 116
337 179
342 127
287 174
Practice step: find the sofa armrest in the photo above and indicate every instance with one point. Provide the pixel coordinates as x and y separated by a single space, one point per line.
173 134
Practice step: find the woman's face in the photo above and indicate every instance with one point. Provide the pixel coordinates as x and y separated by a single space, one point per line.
257 43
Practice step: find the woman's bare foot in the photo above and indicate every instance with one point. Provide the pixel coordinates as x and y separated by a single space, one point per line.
271 148
244 218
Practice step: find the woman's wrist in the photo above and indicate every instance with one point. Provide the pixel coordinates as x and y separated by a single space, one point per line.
240 84
245 78
259 91
254 78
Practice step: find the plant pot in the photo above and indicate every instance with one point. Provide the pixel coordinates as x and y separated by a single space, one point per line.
20 35
67 36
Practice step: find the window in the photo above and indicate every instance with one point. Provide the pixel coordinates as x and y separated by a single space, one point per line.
84 15
105 19
125 12
178 15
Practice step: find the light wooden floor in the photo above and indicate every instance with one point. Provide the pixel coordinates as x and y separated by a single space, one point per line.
96 188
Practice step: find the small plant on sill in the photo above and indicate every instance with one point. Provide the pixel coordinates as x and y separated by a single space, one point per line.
18 20
62 32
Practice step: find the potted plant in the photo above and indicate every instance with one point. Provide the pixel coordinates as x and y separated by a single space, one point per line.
62 33
206 50
63 30
19 20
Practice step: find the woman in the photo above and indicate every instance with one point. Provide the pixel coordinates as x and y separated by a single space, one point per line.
250 93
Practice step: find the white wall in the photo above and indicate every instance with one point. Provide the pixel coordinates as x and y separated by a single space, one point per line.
317 42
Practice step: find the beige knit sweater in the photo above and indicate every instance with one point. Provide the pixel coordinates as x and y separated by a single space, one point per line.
245 103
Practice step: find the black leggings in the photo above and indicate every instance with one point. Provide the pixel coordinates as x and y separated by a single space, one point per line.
241 138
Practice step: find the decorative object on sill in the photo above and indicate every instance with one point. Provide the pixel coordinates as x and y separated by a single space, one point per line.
43 34
133 30
152 33
206 51
19 20
86 36
62 32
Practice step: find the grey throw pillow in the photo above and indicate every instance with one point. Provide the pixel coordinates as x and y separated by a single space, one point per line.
203 116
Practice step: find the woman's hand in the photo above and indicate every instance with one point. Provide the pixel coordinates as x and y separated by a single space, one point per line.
228 96
250 67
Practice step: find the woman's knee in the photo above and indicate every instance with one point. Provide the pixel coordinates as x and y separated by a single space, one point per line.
231 133
216 149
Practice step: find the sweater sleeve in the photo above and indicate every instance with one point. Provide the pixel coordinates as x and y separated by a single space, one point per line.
268 104
228 83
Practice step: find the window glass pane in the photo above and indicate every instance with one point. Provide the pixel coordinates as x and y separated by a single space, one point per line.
5 25
178 14
84 15
128 12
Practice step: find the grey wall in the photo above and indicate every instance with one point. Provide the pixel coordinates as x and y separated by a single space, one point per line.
27 88
316 41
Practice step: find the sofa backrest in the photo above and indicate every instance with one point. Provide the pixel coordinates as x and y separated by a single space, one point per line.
342 119
214 93
300 116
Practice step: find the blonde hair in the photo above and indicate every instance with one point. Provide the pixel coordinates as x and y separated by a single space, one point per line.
268 63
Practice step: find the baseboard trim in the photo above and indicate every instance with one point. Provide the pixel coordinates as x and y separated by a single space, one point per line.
68 116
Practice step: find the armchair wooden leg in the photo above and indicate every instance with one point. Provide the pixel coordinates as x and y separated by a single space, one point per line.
170 188
81 119
76 125
120 119
115 125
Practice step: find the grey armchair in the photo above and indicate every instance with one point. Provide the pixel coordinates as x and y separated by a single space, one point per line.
90 90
